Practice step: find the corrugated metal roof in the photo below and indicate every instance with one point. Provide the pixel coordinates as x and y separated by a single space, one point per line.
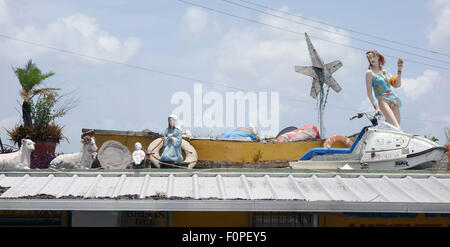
233 191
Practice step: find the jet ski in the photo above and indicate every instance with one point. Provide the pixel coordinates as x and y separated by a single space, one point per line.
381 146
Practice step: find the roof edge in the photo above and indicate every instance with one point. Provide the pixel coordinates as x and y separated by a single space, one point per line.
223 205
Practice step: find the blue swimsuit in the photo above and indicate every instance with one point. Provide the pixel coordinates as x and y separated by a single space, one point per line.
382 88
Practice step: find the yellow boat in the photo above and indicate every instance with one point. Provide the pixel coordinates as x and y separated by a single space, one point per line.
220 153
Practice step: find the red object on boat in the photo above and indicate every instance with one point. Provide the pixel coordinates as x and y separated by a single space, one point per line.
306 132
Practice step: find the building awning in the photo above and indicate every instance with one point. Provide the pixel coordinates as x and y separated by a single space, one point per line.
226 191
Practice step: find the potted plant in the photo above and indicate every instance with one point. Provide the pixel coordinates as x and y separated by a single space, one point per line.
40 107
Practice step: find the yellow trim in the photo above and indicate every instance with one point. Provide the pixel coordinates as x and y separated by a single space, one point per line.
211 219
231 151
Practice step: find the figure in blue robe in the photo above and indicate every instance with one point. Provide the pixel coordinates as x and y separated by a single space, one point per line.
172 142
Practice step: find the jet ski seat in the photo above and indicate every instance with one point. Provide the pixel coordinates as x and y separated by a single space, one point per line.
321 151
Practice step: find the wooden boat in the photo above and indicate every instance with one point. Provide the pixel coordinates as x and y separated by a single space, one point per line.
220 153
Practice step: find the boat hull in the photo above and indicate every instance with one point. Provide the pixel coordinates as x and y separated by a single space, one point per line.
422 160
217 150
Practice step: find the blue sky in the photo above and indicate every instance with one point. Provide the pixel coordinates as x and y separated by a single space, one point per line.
171 36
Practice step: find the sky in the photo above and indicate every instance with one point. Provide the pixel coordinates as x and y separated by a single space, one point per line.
123 43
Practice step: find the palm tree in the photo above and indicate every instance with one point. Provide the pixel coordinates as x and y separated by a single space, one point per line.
30 76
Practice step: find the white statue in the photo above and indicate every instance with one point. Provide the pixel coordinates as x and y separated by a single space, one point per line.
20 159
138 155
80 160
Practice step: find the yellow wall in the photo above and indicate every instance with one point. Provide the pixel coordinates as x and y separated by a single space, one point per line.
228 150
251 152
211 219
383 219
244 219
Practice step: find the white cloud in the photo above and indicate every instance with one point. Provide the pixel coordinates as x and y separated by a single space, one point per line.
78 33
196 23
429 128
3 13
265 56
420 85
446 118
439 34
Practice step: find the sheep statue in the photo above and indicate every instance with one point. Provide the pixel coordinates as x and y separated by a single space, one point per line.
20 159
80 160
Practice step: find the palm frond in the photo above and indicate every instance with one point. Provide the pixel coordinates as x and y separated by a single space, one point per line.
30 76
30 65
47 75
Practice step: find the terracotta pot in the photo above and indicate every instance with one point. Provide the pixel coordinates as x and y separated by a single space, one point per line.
44 152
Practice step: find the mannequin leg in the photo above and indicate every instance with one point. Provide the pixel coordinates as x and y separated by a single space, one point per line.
387 112
396 111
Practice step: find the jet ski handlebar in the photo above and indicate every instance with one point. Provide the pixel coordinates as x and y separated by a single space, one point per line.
373 118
